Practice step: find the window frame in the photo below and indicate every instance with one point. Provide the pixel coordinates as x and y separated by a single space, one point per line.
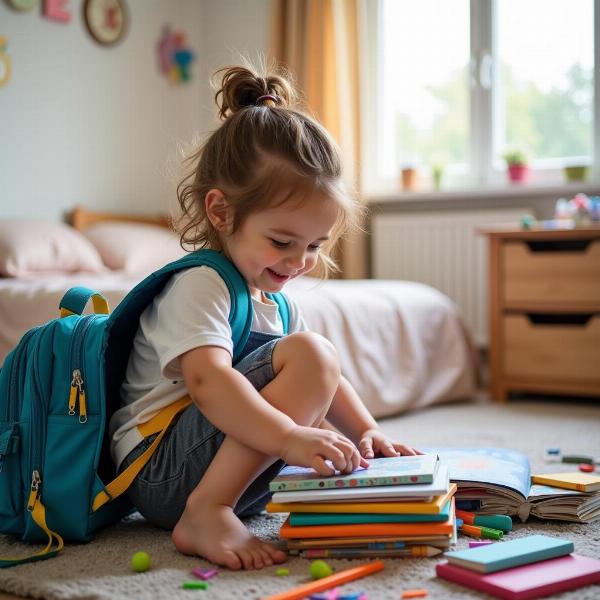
484 172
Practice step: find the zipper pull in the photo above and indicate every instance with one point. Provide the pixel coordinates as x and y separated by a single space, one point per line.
76 387
34 493
82 406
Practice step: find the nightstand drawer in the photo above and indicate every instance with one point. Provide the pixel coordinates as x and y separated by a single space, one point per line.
551 272
552 351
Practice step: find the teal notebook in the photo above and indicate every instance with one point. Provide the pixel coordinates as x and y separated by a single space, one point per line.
513 553
299 519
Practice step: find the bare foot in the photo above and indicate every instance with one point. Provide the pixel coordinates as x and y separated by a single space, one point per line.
215 533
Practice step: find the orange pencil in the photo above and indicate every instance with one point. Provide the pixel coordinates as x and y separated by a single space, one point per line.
329 582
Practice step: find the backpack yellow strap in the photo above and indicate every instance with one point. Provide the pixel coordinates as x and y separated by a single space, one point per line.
159 423
38 514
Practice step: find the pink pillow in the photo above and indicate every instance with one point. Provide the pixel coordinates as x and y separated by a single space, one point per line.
29 247
134 247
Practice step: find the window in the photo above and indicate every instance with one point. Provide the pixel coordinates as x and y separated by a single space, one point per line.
461 82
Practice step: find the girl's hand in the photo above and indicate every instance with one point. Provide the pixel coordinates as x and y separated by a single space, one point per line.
375 441
311 447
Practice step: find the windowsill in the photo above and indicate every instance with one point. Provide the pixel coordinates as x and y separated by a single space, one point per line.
517 190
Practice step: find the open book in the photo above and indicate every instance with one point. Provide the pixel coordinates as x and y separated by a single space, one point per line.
498 481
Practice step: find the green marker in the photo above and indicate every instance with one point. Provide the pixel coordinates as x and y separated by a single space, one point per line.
491 534
481 532
573 458
194 585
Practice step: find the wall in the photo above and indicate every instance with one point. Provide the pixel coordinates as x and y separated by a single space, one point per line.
80 123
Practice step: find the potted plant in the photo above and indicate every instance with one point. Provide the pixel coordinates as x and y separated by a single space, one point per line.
516 163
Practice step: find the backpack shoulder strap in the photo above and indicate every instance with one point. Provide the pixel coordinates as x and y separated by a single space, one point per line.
123 323
284 309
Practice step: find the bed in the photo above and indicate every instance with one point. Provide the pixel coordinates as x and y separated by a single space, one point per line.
401 344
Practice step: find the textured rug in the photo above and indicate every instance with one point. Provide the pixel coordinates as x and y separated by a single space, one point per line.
100 569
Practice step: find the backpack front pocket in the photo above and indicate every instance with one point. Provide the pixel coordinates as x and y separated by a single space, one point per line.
69 473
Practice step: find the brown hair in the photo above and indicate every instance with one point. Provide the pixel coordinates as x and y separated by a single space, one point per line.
263 147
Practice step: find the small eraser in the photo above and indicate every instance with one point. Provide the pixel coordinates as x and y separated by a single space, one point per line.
477 543
585 468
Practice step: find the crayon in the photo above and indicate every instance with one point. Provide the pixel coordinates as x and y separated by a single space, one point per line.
329 582
502 522
414 551
482 532
194 585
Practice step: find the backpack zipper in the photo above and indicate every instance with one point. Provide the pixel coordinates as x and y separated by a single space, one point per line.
37 433
13 404
77 391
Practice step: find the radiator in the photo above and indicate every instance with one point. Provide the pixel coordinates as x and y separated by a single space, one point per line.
441 249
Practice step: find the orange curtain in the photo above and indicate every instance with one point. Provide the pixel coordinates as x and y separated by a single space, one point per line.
317 40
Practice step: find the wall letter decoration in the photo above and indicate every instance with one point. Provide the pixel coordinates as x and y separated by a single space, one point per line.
53 9
5 69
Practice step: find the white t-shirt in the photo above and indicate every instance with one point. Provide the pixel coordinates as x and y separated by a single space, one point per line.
192 311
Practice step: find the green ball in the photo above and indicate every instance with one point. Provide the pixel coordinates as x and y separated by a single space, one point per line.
140 562
320 569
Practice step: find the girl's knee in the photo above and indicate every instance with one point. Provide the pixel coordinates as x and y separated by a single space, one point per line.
312 352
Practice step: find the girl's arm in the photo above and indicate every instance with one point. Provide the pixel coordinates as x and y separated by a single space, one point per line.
351 417
230 402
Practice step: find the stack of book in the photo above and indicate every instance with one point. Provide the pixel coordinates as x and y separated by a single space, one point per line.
398 506
520 569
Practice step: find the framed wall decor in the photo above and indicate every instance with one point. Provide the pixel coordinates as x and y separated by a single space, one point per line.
106 20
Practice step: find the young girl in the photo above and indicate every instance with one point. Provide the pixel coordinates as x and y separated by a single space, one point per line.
267 192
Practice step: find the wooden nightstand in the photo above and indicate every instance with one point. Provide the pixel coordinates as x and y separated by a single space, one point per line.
544 311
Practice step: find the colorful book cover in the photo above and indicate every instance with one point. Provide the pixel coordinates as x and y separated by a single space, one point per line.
528 582
391 470
418 491
512 553
432 507
300 519
581 482
368 529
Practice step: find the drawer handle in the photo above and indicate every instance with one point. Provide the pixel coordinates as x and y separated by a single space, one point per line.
558 245
560 318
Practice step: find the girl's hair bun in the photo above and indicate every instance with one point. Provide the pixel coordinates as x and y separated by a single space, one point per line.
241 87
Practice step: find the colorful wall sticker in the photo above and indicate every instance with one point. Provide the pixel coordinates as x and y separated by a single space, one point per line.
174 56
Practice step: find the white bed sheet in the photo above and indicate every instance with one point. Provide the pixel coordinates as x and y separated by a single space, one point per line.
401 344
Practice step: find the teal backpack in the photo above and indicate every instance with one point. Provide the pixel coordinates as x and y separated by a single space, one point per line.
58 389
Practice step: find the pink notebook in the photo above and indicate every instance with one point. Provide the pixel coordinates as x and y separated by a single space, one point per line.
528 581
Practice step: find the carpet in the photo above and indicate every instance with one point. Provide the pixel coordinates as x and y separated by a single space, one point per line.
101 570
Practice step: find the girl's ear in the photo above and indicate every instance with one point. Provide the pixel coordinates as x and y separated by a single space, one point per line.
218 211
